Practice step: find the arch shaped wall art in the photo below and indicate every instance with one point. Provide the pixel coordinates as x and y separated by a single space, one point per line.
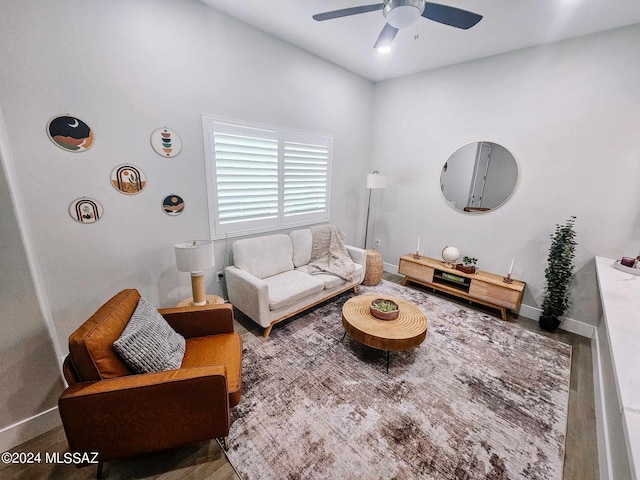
70 133
85 210
166 142
173 205
128 179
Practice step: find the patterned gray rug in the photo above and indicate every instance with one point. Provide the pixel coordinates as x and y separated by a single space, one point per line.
479 399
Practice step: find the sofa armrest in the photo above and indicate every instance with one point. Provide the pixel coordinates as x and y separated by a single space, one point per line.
358 255
136 414
249 294
200 321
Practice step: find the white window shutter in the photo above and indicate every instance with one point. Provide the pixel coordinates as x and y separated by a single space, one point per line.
263 178
246 169
305 178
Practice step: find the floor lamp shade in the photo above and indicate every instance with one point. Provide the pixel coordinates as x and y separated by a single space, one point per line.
375 181
195 256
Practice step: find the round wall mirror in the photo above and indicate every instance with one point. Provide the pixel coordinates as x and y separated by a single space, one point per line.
479 177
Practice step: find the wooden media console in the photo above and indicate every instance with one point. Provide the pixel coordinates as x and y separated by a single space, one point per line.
480 287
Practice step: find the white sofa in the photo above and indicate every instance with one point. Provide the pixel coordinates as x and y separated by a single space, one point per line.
269 281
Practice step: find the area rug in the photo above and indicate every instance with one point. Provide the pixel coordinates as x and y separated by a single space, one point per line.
479 399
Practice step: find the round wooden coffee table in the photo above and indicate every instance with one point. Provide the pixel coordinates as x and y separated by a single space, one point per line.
404 333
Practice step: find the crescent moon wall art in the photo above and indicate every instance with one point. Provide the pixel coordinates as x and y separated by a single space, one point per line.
70 133
173 205
85 210
128 179
166 142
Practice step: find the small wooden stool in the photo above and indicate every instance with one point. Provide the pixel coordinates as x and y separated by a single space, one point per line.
373 273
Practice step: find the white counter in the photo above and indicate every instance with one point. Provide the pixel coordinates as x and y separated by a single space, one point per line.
620 296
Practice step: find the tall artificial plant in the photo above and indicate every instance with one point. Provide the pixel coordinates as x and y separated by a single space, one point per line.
558 273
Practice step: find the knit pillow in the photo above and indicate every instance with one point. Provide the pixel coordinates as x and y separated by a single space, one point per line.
148 343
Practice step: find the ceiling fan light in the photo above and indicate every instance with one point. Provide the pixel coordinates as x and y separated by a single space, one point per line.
402 13
403 16
385 49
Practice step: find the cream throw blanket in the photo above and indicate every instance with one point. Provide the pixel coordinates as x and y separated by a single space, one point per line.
328 253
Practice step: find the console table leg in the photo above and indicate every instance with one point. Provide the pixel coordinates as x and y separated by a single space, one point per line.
345 334
505 315
387 361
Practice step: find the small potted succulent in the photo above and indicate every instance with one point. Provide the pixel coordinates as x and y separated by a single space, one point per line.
384 309
468 265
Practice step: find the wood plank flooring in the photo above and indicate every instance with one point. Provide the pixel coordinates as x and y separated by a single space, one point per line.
206 460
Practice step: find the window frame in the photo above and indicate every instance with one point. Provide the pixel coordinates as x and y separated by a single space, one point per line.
282 222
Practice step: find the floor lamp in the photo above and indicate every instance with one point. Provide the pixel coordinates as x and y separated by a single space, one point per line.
194 257
375 180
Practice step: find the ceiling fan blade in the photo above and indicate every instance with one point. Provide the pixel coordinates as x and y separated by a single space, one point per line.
345 12
386 36
451 16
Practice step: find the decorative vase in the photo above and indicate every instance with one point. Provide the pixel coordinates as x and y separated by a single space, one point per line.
382 315
549 324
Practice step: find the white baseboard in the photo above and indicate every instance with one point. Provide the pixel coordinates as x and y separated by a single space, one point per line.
604 447
579 328
388 267
29 428
533 313
567 324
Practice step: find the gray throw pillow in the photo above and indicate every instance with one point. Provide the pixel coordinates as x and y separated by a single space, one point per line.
148 343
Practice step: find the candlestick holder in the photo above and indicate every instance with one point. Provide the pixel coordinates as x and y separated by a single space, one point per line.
417 255
507 279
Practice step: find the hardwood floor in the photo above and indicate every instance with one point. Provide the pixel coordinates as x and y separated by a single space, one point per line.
207 461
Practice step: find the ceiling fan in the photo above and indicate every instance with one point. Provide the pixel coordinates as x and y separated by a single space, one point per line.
403 13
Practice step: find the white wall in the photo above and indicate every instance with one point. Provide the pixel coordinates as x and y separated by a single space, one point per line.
30 375
127 68
568 112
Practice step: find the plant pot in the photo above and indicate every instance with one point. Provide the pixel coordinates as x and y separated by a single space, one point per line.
379 314
468 270
549 324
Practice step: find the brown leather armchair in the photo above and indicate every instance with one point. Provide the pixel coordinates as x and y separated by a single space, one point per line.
109 410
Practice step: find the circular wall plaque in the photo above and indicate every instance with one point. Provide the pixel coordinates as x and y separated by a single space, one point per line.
85 210
70 133
166 142
173 205
128 179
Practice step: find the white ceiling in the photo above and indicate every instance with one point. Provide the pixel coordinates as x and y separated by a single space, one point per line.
507 25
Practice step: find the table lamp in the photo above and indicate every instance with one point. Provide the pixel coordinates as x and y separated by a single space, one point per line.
195 256
375 180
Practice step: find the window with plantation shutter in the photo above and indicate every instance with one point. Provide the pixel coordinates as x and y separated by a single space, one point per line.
263 178
305 178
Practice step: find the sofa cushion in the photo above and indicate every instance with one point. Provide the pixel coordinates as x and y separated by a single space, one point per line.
289 287
148 343
329 280
91 344
222 349
264 256
301 243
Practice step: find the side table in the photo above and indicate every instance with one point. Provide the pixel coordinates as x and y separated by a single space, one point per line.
373 273
210 299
